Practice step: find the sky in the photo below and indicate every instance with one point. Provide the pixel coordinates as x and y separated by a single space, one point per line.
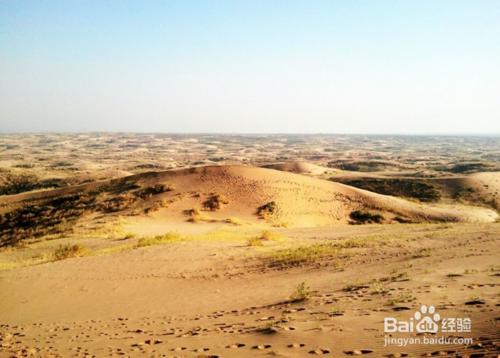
254 66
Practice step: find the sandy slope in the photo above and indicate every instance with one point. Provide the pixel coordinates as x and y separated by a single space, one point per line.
214 297
300 168
487 185
301 201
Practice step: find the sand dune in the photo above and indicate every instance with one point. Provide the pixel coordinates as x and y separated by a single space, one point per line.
300 167
256 195
487 185
240 261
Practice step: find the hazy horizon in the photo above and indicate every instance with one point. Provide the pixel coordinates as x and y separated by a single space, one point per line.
263 67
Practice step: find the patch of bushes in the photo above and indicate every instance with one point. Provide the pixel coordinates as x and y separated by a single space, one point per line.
117 203
55 216
472 167
362 166
408 188
116 187
15 184
52 217
365 217
149 191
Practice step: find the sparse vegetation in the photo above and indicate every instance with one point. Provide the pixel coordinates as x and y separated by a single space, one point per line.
409 188
15 184
269 328
149 191
267 210
301 255
195 215
235 221
266 235
255 241
402 297
355 287
424 252
362 166
471 167
377 288
68 251
116 203
302 292
215 202
365 217
158 239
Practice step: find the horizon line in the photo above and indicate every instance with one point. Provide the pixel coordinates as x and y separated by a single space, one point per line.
419 134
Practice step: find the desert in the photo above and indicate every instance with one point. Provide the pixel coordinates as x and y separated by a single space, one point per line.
196 252
236 178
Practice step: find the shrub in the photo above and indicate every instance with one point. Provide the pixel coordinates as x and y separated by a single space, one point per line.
364 217
301 293
215 202
51 217
152 190
196 215
68 251
118 203
267 209
15 184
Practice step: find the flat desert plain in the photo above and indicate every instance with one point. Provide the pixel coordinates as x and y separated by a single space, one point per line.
248 245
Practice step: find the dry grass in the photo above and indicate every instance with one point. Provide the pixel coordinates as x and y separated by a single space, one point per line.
301 255
158 239
235 221
266 235
68 251
195 216
255 241
302 292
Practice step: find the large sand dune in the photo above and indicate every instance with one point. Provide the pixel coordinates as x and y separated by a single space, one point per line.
293 200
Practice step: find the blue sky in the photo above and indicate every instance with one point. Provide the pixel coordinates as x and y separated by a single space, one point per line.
250 66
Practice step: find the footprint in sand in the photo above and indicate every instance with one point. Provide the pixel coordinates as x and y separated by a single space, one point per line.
236 345
262 346
358 352
320 351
